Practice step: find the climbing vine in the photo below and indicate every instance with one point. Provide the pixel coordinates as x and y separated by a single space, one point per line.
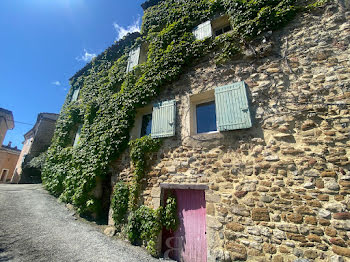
143 223
139 151
109 97
119 203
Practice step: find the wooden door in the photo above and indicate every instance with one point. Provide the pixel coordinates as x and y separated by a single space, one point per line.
188 243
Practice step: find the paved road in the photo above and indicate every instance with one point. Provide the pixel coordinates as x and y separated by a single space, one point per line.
35 227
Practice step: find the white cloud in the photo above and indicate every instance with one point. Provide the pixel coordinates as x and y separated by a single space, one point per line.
86 57
123 31
56 83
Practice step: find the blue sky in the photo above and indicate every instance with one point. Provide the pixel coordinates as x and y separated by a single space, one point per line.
45 42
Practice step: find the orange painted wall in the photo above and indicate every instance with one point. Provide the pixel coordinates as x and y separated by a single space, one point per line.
8 160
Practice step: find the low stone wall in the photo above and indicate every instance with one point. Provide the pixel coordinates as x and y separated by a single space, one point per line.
280 190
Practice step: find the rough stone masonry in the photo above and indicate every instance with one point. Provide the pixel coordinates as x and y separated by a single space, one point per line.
280 190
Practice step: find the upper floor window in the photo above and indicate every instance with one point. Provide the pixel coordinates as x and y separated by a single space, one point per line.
134 57
75 95
157 120
222 109
221 25
137 56
215 27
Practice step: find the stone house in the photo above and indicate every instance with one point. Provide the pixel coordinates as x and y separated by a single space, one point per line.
261 145
256 150
36 141
8 159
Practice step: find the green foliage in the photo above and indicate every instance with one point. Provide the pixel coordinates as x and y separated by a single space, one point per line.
251 18
169 217
38 162
139 151
145 224
109 97
119 203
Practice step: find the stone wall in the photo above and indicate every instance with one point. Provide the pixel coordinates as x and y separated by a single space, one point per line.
278 191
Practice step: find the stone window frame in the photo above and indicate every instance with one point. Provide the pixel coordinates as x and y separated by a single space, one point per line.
197 99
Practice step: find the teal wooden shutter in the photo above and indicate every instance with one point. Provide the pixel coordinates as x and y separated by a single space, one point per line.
163 119
75 95
232 109
134 57
202 31
77 136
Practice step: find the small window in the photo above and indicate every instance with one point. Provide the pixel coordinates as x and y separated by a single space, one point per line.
146 126
206 117
222 30
221 25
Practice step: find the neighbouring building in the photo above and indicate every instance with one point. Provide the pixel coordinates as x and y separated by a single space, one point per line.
6 123
8 155
255 148
8 159
36 141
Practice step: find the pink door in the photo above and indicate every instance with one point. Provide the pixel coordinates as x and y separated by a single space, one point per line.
188 243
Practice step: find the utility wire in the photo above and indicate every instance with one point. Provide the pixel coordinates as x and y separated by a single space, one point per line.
23 123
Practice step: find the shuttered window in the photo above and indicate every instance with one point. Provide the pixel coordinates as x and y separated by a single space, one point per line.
77 136
232 110
202 31
134 57
163 119
75 95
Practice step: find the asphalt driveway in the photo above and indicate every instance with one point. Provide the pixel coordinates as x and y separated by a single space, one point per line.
35 227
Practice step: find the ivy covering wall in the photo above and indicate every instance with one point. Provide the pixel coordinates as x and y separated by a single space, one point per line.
109 97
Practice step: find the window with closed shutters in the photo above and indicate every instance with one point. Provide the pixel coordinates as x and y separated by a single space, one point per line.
202 31
133 60
75 95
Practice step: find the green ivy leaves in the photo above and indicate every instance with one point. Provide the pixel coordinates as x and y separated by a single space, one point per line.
109 97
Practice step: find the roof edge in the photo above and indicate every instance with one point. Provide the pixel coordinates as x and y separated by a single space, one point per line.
150 3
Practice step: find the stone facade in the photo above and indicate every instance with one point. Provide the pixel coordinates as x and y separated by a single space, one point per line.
36 141
278 191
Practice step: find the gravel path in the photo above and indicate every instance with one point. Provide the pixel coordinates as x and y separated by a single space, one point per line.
35 227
